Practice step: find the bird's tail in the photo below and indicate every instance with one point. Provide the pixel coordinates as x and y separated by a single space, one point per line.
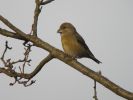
96 60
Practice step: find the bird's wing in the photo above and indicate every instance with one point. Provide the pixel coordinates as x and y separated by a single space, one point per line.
82 42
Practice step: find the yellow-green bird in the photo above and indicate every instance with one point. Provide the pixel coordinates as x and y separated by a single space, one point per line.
73 44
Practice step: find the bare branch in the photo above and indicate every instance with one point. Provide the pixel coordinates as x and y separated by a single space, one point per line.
10 34
8 67
46 2
6 47
41 64
31 82
95 87
11 26
26 55
18 61
36 15
12 73
6 63
95 91
26 83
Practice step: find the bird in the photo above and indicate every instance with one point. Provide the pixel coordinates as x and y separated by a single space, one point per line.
73 43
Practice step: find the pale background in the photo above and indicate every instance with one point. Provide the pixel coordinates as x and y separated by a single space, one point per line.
106 26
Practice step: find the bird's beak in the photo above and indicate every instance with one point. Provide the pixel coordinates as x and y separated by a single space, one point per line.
59 31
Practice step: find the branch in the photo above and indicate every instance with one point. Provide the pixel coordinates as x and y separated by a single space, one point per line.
6 63
31 75
95 87
12 73
41 64
10 34
68 60
46 2
9 70
11 26
26 56
6 47
18 61
36 15
95 91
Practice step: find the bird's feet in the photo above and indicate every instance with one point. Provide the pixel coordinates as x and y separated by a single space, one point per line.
69 58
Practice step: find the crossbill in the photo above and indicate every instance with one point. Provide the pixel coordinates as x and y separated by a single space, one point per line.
73 44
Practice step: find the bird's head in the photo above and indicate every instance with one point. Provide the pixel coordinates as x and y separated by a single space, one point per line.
66 28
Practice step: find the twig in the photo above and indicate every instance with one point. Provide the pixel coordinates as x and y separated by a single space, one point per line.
18 76
16 79
95 91
46 2
36 15
6 63
37 11
6 47
40 65
18 61
26 83
95 87
26 55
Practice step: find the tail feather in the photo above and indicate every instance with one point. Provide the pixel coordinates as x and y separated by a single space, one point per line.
96 60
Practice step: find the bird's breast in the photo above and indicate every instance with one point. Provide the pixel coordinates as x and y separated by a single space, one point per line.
71 46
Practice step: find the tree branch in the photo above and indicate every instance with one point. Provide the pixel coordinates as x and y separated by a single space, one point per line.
6 22
10 34
41 64
13 73
6 63
36 15
68 60
9 68
46 2
95 91
6 47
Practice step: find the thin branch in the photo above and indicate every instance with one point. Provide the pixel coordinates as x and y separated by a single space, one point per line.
8 70
18 61
95 87
26 83
26 55
41 64
11 26
12 73
6 63
6 47
95 91
19 76
46 2
10 34
36 15
37 11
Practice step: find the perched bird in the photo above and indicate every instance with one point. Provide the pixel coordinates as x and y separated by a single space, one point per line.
73 44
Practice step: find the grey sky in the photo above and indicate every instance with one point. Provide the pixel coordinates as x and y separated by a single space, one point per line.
106 26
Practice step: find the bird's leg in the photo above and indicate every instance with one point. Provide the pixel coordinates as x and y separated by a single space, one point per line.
69 58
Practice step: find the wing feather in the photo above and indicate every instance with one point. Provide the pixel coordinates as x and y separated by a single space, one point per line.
82 42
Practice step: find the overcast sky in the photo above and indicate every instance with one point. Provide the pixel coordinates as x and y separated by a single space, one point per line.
106 26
